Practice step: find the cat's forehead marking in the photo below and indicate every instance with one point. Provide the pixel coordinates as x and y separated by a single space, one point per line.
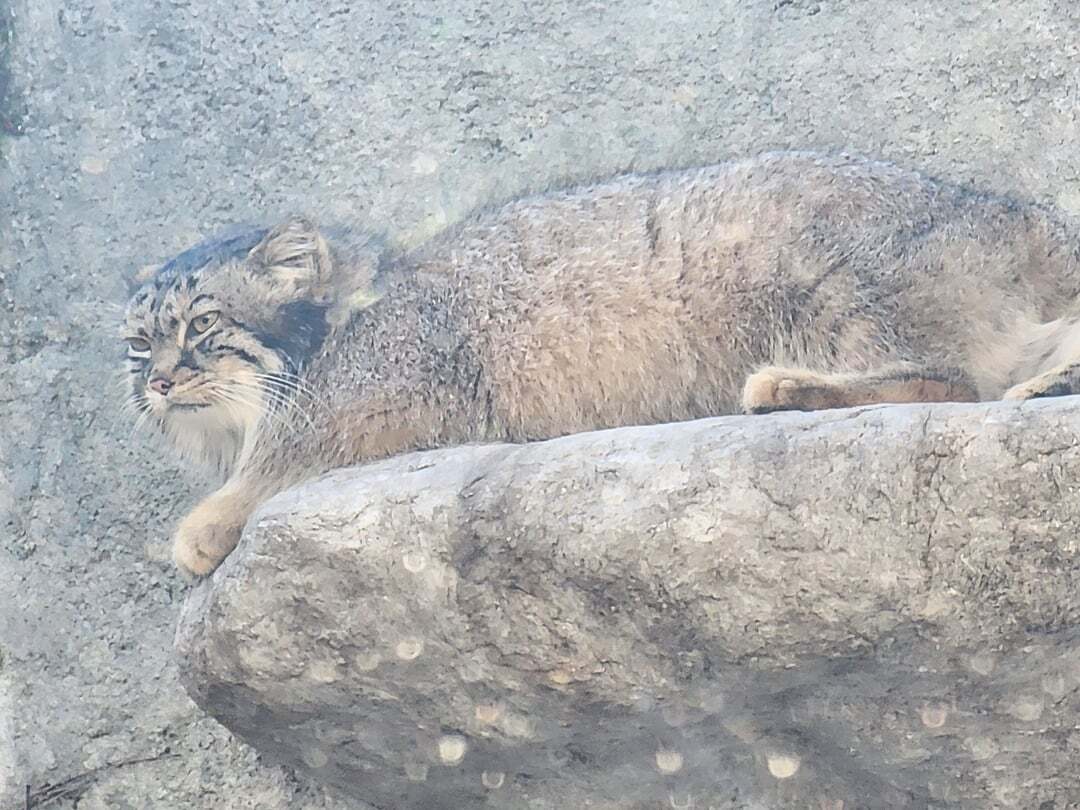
162 306
233 244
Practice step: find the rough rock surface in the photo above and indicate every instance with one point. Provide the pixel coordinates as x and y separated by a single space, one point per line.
868 608
129 129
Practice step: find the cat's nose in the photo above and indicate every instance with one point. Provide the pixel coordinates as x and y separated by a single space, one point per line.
161 385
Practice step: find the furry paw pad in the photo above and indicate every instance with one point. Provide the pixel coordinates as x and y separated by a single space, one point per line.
777 389
199 549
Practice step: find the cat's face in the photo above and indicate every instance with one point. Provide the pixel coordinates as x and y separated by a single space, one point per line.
214 340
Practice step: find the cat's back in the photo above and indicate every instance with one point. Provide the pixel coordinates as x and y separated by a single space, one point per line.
693 243
646 297
664 251
653 219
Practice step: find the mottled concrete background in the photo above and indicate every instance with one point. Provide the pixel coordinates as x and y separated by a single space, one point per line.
129 129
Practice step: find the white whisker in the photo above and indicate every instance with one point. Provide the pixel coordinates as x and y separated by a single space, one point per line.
245 396
288 402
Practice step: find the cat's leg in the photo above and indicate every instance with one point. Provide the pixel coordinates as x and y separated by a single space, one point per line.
793 389
1057 382
212 529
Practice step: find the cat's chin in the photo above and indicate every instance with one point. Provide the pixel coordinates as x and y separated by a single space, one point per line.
208 435
188 407
206 418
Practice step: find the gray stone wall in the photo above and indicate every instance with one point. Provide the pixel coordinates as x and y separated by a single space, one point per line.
130 129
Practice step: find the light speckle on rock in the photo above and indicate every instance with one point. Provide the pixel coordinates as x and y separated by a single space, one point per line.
1069 200
560 677
685 94
517 725
1026 707
1053 684
981 747
934 715
675 713
425 164
492 780
452 748
783 766
323 671
681 800
315 757
487 713
712 702
409 649
983 663
367 661
668 761
94 165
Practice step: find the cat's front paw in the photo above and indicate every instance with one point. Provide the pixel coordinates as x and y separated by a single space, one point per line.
204 538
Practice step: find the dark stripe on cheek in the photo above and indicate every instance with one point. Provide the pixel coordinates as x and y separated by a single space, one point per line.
246 356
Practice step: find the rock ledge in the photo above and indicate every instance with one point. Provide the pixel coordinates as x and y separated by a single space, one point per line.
867 608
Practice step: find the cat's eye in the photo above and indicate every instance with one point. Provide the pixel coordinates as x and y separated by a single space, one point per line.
204 322
139 345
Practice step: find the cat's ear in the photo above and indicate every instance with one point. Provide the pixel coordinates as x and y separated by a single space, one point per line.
296 255
134 278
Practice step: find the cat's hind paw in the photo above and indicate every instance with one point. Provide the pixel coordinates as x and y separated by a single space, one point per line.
784 389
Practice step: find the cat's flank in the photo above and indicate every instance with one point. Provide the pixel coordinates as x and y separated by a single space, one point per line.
786 281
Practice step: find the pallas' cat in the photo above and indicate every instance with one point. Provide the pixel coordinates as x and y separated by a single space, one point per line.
785 281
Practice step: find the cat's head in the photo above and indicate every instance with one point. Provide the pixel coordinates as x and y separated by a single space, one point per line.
216 339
